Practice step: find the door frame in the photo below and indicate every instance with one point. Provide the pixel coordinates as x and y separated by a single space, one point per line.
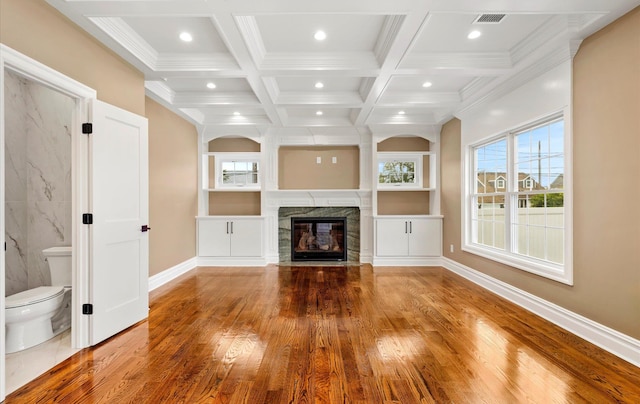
33 70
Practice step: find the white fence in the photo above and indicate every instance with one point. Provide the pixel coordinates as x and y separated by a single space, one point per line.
539 231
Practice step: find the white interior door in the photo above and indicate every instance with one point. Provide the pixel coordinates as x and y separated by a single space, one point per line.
119 290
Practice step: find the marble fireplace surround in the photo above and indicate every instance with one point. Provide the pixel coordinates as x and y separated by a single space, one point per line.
353 227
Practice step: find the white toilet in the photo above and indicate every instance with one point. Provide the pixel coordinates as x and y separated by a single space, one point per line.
36 315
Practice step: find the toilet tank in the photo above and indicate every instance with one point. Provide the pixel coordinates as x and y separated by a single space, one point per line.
59 261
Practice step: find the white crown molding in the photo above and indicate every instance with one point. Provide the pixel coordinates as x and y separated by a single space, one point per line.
129 39
172 273
365 87
236 120
250 31
199 99
388 34
475 86
320 61
161 90
418 99
550 31
486 63
579 22
338 99
195 62
606 338
271 85
489 93
406 119
318 121
194 115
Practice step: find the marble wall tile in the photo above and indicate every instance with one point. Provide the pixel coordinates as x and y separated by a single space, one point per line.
16 254
38 186
353 228
15 139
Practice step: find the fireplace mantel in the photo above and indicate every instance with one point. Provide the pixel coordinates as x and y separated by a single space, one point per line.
318 197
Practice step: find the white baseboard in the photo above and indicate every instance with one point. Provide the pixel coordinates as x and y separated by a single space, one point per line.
407 261
172 273
619 344
232 262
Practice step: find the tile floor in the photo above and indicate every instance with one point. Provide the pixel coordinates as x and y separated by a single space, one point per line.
24 366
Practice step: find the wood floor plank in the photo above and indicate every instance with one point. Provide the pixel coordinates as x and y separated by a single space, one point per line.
335 335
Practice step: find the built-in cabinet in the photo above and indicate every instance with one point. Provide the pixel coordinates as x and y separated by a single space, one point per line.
408 236
407 221
394 181
230 236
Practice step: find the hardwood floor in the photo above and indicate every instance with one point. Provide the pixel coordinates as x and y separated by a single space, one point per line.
335 335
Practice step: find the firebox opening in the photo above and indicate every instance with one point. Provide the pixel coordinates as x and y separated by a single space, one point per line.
318 239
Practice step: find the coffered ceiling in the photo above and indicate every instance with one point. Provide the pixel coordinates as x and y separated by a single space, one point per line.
396 65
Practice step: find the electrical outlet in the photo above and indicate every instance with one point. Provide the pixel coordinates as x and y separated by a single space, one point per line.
334 160
318 160
451 248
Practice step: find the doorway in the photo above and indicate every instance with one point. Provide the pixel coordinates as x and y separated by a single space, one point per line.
66 196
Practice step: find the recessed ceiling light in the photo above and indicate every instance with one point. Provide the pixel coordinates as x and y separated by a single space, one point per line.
426 84
186 37
474 34
319 84
236 113
400 112
319 113
211 85
320 35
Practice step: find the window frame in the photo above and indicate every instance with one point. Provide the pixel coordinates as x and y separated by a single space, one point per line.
415 158
559 272
221 158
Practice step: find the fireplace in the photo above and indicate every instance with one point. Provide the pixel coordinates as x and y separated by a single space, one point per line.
318 238
351 230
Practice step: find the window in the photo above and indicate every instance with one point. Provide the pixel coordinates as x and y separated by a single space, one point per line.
239 173
399 170
234 170
521 220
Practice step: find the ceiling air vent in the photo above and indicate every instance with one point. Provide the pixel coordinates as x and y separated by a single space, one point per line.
489 19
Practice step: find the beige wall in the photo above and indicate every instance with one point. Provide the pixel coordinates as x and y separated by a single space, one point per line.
34 28
297 167
232 203
233 144
606 146
37 30
405 203
173 202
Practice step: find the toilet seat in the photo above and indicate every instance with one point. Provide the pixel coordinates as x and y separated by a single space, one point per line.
32 296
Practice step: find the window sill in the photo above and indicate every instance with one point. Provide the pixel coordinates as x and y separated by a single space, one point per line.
558 273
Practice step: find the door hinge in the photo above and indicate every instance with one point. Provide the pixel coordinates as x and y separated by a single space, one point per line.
87 128
87 218
87 308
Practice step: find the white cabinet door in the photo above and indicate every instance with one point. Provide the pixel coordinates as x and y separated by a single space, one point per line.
424 237
409 237
214 238
391 237
230 237
246 237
